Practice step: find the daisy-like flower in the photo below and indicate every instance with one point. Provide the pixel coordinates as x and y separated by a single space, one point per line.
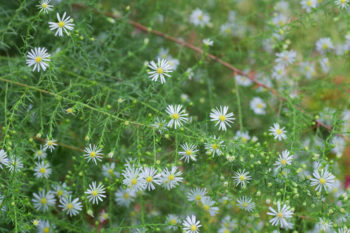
221 117
40 154
339 146
286 57
108 170
93 153
246 203
39 58
163 53
43 200
45 6
241 178
45 227
307 69
42 170
71 208
124 197
160 125
323 179
343 230
159 70
281 216
208 42
177 115
214 146
325 225
64 24
191 225
133 178
199 18
342 4
277 132
61 190
197 194
284 159
308 5
258 106
50 144
173 63
325 64
243 81
4 161
172 220
171 178
243 136
95 193
15 164
208 205
188 152
323 45
151 177
279 71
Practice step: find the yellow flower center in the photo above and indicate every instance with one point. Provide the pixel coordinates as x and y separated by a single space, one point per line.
49 143
95 192
69 206
188 152
193 228
42 170
309 3
171 177
38 59
61 24
149 179
280 215
228 30
46 229
126 195
175 116
222 118
242 177
92 154
44 5
206 207
284 162
43 201
200 17
322 181
245 204
226 231
279 131
308 68
160 70
69 110
198 197
59 193
110 171
133 181
244 140
325 46
214 146
260 105
342 1
173 221
39 152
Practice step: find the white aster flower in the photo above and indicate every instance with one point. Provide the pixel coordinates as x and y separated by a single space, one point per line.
173 221
71 208
42 170
160 125
342 4
50 144
279 71
258 106
151 177
323 45
323 179
159 70
39 58
339 145
163 53
221 117
281 216
199 18
197 194
41 153
124 197
173 63
243 136
63 24
133 178
343 230
15 163
208 42
243 81
246 203
45 6
43 200
307 69
45 227
108 170
325 64
177 115
308 5
191 225
285 57
325 225
277 132
284 159
208 205
61 190
95 193
171 178
93 153
189 152
214 146
241 178
4 161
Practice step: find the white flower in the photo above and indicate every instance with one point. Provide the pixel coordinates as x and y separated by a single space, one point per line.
199 18
61 190
160 124
243 81
163 53
325 225
325 64
45 6
277 132
39 58
15 164
321 180
92 153
173 63
171 178
50 144
95 193
159 70
63 24
42 170
221 117
308 69
308 5
188 152
108 170
227 29
284 159
286 57
281 216
246 203
41 153
197 194
339 145
177 115
43 200
191 225
258 106
342 4
208 42
280 20
71 208
45 227
133 178
323 45
208 205
243 136
241 178
124 197
151 177
172 220
3 158
214 146
343 230
279 71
